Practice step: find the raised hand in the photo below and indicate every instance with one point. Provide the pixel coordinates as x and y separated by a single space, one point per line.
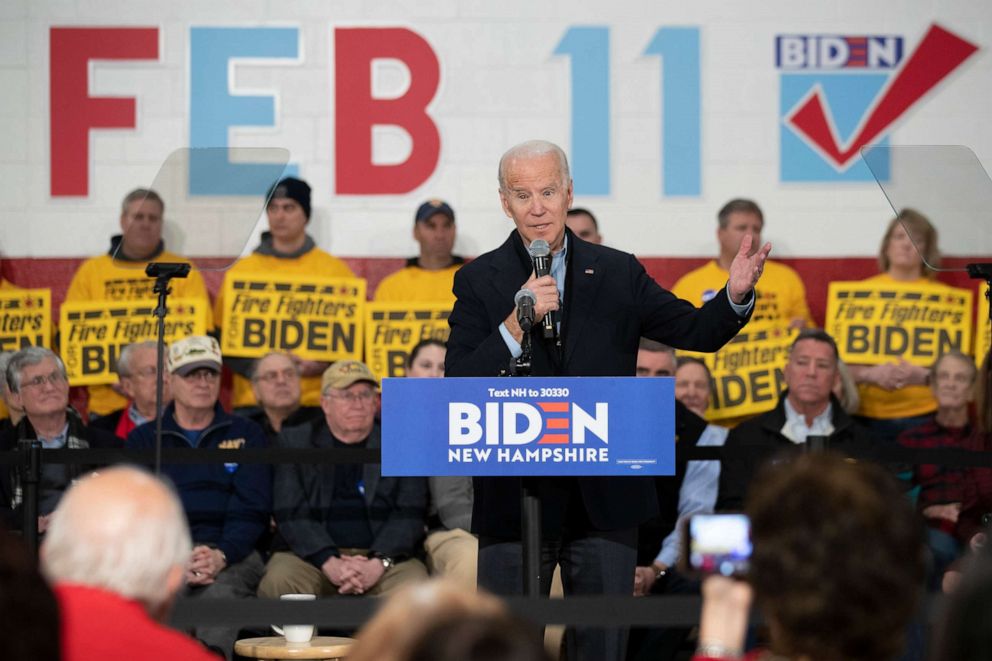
746 269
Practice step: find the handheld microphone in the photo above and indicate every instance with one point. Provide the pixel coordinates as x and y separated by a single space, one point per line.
540 253
525 301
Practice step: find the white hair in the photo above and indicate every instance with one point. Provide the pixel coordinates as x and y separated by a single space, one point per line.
124 367
533 149
122 530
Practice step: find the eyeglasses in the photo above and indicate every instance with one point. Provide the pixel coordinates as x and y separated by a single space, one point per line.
365 396
202 375
287 374
56 378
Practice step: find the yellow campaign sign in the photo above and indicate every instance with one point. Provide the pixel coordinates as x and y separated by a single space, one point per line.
393 329
311 317
93 333
748 372
983 329
25 318
876 323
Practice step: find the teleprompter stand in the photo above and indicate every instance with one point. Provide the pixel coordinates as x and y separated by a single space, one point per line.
163 272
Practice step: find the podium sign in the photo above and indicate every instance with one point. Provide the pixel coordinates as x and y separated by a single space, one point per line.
565 426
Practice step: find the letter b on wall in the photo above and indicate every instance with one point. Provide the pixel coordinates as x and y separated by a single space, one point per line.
357 111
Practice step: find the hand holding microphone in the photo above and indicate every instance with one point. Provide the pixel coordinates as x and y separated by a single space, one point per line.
540 254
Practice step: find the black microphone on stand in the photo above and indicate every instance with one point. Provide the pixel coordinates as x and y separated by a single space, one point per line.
540 253
525 301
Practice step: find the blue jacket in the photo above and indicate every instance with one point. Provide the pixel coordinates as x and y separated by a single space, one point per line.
227 505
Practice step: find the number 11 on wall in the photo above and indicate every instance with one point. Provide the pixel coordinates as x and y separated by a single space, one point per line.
589 51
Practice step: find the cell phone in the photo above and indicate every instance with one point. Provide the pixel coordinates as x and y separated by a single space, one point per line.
716 544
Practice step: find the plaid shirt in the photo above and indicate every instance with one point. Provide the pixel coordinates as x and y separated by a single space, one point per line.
938 485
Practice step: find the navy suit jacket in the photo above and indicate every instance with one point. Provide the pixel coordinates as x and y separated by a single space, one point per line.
609 303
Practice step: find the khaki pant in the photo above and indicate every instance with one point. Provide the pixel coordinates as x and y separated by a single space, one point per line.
455 555
287 573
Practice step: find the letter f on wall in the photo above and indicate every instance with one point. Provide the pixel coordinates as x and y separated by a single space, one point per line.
73 111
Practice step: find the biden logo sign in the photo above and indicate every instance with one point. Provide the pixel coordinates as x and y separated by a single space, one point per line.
539 426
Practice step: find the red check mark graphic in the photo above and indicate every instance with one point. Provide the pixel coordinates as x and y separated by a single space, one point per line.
938 54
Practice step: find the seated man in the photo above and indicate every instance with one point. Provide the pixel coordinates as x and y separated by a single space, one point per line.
38 384
116 552
693 488
781 294
286 249
137 371
427 277
227 506
807 408
350 530
276 384
119 275
584 225
942 488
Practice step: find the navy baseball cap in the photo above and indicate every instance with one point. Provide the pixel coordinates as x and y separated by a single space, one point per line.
433 207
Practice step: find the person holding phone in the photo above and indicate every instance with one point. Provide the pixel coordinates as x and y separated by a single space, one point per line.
837 566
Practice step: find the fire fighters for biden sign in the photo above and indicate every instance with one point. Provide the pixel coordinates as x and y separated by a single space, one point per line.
536 426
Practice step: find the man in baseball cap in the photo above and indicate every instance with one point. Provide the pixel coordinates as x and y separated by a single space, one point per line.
229 509
427 277
349 530
285 250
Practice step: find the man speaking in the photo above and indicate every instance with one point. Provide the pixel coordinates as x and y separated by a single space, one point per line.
601 303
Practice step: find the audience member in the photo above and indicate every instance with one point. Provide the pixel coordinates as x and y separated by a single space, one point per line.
583 224
692 490
837 566
807 408
781 295
414 610
277 386
9 415
119 276
285 249
29 613
894 395
941 488
963 633
350 530
137 371
227 505
38 385
428 276
116 552
693 384
452 550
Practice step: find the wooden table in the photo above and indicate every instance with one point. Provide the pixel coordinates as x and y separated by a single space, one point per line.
276 647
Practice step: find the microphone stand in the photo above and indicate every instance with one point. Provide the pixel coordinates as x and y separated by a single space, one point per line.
163 272
530 501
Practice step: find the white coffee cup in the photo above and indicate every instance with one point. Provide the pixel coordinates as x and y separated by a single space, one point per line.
296 633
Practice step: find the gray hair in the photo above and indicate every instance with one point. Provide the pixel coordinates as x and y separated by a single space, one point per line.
25 358
532 149
127 355
954 353
257 363
647 344
122 530
139 195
